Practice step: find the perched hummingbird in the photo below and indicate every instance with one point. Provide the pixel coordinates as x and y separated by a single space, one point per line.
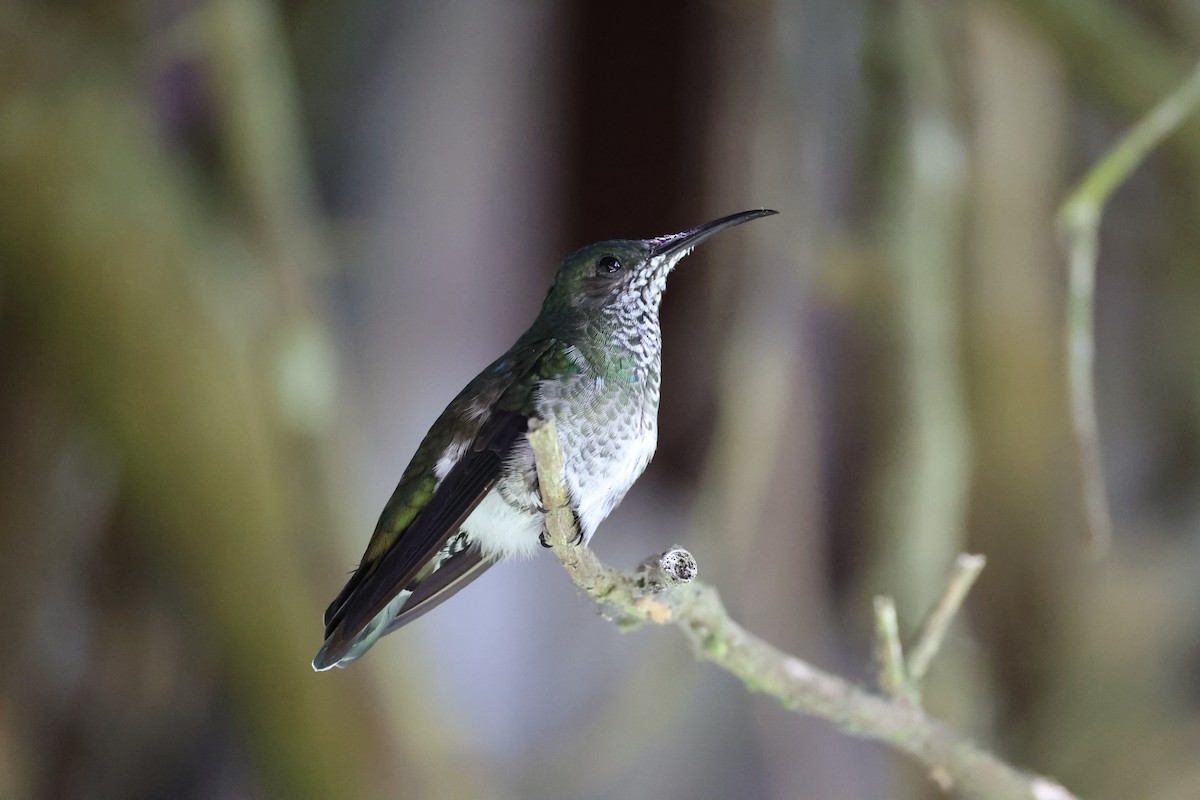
469 497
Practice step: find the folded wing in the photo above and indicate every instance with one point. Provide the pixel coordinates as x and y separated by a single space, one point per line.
378 581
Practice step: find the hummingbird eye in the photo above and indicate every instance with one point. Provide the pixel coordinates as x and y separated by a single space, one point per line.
609 264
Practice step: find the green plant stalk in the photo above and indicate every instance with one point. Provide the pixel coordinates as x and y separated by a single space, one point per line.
1079 222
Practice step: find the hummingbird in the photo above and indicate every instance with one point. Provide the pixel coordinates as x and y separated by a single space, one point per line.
591 361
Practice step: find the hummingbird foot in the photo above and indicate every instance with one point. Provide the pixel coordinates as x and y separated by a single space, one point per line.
541 509
544 540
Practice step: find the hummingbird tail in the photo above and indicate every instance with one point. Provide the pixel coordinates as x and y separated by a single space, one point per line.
454 573
339 649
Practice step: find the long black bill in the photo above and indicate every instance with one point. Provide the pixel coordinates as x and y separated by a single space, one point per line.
669 245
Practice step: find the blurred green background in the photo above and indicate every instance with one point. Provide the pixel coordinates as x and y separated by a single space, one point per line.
249 250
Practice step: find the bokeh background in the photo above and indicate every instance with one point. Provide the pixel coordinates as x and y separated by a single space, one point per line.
249 249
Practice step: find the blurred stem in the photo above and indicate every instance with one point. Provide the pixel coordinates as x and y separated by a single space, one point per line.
1079 220
258 109
926 477
1137 64
259 112
696 609
107 252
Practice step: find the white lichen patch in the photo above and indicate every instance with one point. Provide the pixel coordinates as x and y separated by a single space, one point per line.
797 670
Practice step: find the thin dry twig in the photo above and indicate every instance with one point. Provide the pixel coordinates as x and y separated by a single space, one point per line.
931 634
696 610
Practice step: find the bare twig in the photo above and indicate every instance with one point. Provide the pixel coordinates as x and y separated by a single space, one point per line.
889 654
933 629
697 611
900 675
1079 221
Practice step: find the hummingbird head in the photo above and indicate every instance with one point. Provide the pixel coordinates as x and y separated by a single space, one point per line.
620 275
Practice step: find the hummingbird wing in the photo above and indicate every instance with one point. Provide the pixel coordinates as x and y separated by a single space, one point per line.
423 515
377 582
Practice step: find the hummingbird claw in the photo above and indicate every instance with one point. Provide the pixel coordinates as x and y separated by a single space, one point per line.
537 496
544 540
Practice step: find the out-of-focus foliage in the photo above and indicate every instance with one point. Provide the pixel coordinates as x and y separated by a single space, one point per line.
248 251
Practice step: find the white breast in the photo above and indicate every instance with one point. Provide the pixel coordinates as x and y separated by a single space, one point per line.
608 482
